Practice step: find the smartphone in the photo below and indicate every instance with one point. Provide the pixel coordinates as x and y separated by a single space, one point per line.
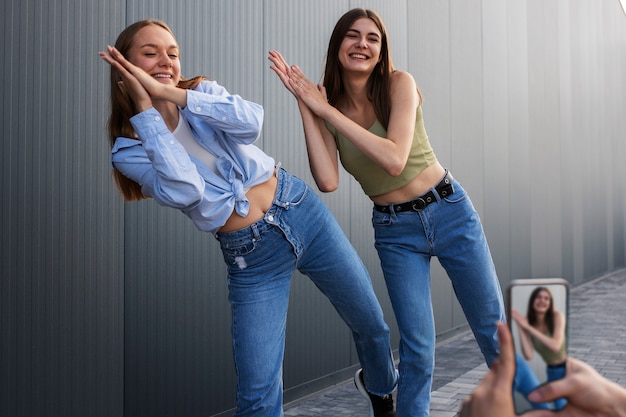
537 313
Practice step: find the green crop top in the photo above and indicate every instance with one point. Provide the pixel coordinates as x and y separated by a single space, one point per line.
373 179
548 355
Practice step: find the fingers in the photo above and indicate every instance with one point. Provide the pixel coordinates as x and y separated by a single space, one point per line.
298 82
298 78
506 362
282 69
280 64
564 387
116 60
130 84
493 397
292 73
297 72
117 55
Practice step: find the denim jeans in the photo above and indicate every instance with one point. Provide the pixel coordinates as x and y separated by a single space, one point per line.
449 229
554 373
298 232
525 382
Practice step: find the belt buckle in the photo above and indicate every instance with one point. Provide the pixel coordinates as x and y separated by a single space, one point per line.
418 204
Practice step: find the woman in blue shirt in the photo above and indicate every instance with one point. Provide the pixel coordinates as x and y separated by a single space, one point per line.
189 145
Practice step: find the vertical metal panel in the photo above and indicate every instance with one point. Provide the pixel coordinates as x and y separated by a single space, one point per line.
614 67
496 214
518 137
466 111
570 171
544 152
62 281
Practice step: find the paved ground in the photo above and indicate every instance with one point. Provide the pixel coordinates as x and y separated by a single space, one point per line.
596 333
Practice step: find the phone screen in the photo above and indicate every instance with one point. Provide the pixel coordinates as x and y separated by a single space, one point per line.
537 315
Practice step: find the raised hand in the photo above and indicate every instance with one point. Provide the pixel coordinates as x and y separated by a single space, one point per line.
132 77
313 95
282 69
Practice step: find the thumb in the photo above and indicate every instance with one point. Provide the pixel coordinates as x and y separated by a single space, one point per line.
506 362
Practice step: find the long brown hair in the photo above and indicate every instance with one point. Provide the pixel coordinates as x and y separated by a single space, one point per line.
532 314
122 108
378 83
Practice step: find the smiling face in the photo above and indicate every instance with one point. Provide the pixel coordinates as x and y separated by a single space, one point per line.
155 50
360 47
542 302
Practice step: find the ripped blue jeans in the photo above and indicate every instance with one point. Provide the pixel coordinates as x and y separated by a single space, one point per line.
298 232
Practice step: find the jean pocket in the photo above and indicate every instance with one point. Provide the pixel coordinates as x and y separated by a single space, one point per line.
458 196
294 197
232 250
381 219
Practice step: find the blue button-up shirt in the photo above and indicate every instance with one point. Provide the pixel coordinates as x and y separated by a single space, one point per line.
225 125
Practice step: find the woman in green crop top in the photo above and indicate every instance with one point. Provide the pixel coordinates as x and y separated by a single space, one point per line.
369 116
543 331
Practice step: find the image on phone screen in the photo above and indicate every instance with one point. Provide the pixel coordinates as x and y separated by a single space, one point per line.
537 314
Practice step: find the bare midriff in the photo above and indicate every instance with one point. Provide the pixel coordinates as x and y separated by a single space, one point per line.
426 180
260 197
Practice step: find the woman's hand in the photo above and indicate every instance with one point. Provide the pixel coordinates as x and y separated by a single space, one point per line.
282 69
133 78
314 96
519 319
139 85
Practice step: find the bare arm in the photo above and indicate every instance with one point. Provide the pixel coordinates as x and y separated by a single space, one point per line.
553 342
320 143
527 347
390 153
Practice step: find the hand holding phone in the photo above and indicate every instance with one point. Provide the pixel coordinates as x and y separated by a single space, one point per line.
537 314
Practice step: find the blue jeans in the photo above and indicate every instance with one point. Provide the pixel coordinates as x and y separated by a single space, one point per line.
298 232
449 229
554 373
525 382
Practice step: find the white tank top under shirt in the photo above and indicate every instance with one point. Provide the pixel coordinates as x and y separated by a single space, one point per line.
185 137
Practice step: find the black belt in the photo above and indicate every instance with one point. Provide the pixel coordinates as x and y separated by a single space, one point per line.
443 189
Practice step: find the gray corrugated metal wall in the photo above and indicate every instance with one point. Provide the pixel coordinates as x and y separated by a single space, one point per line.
61 290
109 309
